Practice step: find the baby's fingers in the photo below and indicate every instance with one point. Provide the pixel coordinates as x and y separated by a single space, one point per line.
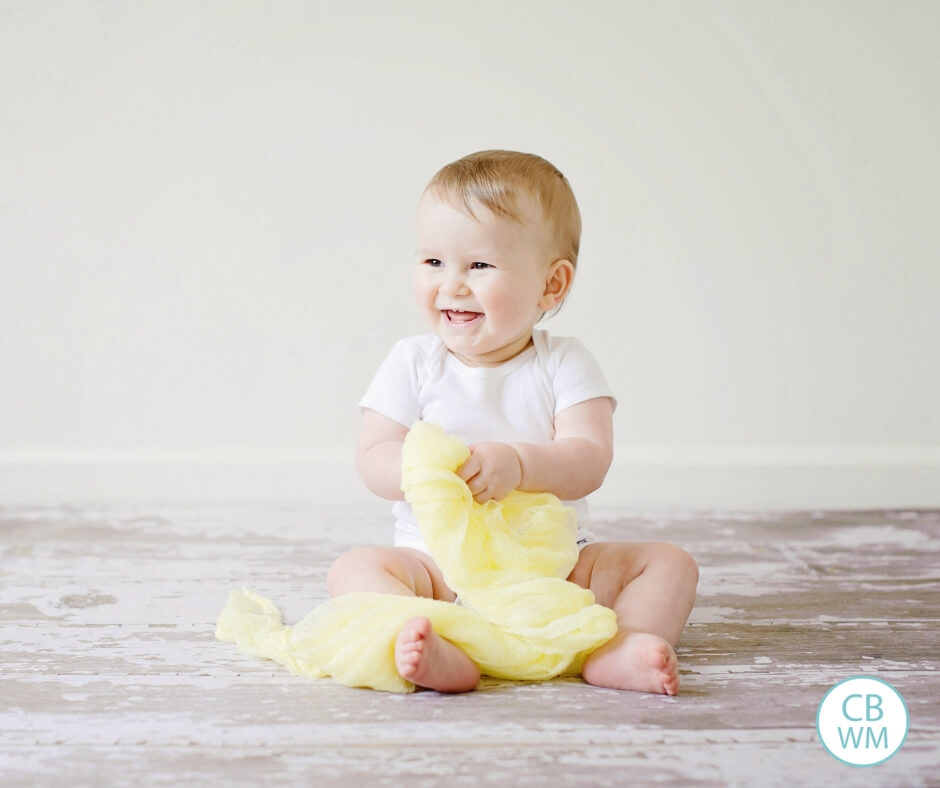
469 469
481 496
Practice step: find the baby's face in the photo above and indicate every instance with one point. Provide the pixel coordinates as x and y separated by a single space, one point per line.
480 284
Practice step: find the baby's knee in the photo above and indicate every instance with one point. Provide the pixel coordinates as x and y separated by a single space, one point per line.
389 570
344 573
679 560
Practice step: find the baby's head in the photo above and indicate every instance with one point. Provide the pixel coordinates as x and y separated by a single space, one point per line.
498 237
501 179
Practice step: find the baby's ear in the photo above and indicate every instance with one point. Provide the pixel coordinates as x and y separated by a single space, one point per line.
557 284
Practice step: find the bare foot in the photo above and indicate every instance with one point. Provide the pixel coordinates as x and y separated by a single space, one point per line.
425 658
634 661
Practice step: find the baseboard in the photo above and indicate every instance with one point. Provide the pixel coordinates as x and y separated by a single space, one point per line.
641 478
773 478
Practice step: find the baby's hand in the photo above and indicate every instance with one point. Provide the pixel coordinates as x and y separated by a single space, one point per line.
492 471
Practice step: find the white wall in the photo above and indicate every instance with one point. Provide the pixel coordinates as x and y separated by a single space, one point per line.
206 218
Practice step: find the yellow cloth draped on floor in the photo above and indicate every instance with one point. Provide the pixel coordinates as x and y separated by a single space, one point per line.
518 617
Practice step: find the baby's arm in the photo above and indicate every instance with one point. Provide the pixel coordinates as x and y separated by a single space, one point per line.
575 463
378 455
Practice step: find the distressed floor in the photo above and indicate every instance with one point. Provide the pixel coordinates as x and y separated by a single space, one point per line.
111 675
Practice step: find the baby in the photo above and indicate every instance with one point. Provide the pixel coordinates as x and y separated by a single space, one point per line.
498 235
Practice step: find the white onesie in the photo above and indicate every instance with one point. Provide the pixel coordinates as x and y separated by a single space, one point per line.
514 402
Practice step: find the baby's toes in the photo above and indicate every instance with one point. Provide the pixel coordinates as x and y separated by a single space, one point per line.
412 650
671 677
419 629
658 658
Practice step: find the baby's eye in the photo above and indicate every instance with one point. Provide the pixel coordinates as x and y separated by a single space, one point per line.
478 266
433 263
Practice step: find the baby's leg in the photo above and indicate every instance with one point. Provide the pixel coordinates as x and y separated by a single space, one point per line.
388 570
651 587
421 655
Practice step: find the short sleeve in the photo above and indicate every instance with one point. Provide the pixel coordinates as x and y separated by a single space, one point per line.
577 375
394 390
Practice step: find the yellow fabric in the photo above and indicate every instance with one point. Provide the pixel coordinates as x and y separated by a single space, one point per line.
518 617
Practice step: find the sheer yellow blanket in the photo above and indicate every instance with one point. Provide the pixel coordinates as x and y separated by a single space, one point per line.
518 618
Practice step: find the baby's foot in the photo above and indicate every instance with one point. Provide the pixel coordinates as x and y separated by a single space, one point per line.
634 661
425 658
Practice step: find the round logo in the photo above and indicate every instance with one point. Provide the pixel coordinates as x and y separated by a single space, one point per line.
862 721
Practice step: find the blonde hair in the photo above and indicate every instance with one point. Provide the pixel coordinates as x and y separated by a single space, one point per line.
495 177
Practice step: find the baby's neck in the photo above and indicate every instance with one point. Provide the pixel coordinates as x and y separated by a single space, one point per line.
497 359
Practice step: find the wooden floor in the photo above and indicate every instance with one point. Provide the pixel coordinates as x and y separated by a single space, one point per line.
111 675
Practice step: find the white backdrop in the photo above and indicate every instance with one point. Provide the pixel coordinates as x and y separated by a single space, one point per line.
206 228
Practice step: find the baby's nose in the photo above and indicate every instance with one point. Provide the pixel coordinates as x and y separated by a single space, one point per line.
455 285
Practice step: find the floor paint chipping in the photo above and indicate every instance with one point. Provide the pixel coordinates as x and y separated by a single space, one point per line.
110 674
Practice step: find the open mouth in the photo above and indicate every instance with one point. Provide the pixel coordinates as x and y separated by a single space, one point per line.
458 317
